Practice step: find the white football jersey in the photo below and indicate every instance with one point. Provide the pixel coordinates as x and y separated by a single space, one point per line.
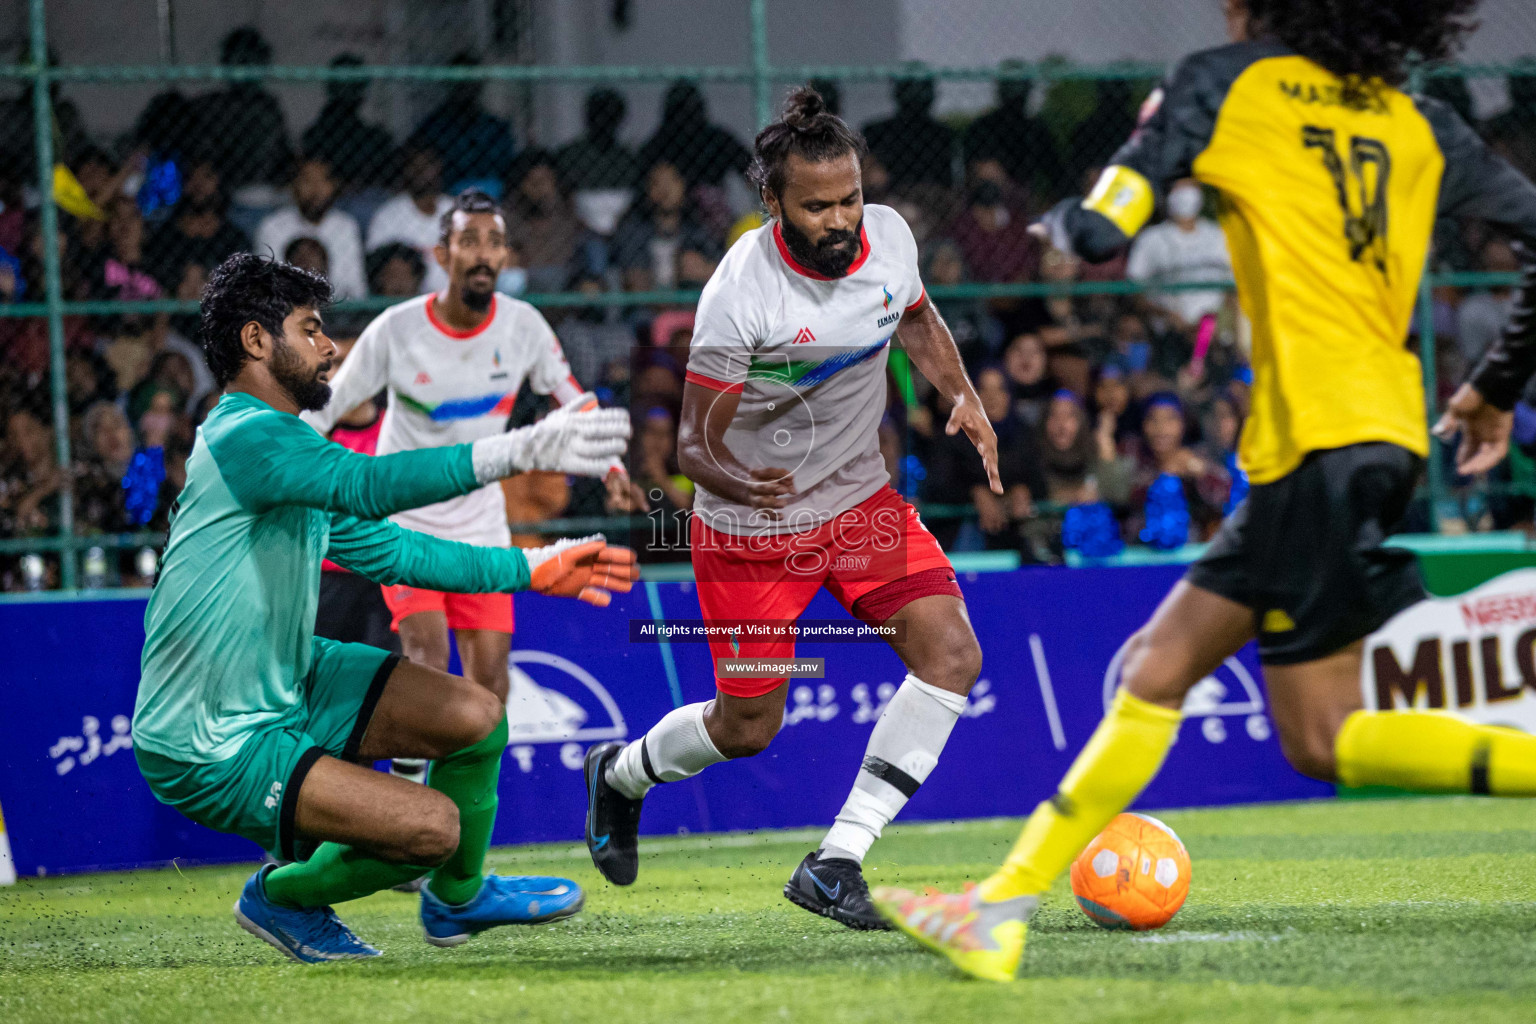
807 354
450 387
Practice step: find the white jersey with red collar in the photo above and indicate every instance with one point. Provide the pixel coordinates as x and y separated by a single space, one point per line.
807 354
450 387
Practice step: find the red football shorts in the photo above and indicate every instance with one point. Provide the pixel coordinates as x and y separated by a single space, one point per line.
463 611
875 558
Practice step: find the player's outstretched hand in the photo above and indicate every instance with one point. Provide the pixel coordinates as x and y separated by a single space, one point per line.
1484 430
578 437
586 568
969 417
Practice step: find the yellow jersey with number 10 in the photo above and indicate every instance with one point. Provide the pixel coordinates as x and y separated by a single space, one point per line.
1328 209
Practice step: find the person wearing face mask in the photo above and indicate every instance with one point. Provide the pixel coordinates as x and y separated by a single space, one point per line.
994 240
1185 247
1132 351
513 278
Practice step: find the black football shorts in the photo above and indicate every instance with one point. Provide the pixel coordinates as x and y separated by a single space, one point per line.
1305 552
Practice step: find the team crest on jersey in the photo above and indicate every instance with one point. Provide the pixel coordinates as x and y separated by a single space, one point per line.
496 358
804 336
887 291
423 377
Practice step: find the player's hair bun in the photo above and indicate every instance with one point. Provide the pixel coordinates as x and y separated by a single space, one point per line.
802 107
807 128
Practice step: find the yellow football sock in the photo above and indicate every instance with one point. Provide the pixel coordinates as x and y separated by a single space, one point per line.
1123 755
1432 752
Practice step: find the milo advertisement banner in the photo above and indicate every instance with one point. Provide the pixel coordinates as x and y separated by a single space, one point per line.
1473 654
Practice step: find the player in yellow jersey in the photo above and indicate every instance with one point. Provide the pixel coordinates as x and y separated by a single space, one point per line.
1330 179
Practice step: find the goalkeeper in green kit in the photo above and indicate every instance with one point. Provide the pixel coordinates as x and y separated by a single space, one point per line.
248 723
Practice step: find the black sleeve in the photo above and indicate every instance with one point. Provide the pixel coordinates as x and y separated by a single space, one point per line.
1088 233
1176 124
1180 118
1479 184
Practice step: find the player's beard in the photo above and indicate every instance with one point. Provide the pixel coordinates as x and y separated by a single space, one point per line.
302 383
474 299
821 256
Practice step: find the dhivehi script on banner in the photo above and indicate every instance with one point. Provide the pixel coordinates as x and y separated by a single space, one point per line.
1473 654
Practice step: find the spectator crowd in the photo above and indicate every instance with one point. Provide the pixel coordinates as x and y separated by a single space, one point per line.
1117 414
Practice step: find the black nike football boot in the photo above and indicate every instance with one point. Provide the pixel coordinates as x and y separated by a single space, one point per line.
613 819
834 888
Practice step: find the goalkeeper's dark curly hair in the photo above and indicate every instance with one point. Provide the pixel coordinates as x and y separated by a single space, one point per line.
807 128
246 288
1362 40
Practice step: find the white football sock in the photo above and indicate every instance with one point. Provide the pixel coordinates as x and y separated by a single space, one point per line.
677 747
903 748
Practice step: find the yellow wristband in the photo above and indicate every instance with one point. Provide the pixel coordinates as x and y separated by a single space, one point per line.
1124 196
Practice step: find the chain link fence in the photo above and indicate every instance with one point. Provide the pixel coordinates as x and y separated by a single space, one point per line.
622 183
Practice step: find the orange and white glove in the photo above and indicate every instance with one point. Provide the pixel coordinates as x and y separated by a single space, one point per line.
586 568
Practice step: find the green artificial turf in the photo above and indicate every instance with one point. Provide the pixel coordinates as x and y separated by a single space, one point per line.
1421 910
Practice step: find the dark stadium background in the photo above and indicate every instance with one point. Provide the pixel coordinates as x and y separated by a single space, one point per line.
182 126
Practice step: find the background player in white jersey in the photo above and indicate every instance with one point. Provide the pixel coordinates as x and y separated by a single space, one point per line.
781 409
453 363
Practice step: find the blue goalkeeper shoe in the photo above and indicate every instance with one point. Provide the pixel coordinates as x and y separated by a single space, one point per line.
310 935
502 899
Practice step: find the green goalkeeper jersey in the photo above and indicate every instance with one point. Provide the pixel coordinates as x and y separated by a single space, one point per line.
229 628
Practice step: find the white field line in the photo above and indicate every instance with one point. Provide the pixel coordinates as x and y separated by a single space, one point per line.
1161 937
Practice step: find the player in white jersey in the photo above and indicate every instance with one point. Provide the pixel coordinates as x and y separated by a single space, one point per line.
784 395
453 363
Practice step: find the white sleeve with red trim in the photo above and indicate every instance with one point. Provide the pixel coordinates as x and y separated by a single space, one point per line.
727 329
902 242
550 374
362 375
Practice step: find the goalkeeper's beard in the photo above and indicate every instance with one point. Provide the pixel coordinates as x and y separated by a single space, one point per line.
302 383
